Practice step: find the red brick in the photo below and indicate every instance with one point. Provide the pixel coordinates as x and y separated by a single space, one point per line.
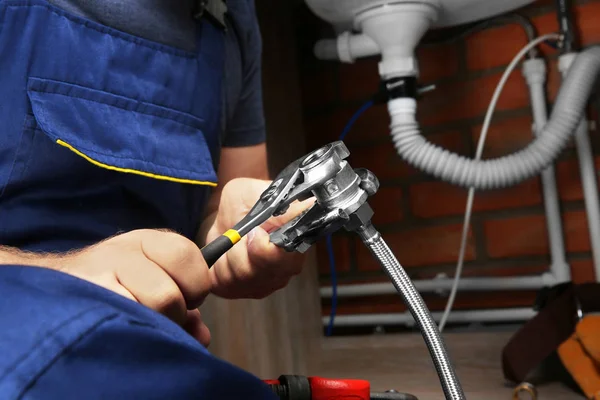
419 247
437 62
469 99
569 180
518 236
582 271
536 4
497 46
505 136
360 80
577 237
523 236
436 199
586 21
382 160
341 252
319 131
387 204
372 124
494 47
319 86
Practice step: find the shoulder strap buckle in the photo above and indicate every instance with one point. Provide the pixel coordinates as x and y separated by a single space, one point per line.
213 10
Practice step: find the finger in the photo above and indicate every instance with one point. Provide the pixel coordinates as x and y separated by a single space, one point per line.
252 190
196 328
182 260
124 292
239 195
296 208
263 254
233 274
154 288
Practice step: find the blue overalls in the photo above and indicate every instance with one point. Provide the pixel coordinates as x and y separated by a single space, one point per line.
101 132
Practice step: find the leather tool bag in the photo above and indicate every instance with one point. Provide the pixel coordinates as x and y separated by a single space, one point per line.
560 310
580 354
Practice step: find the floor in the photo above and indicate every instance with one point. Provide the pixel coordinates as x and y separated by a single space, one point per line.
402 362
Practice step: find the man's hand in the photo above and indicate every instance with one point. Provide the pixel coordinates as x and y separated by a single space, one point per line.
254 267
161 270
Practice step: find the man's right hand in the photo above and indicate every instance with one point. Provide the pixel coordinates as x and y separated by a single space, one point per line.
161 270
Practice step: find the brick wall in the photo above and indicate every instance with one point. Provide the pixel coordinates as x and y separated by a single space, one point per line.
420 217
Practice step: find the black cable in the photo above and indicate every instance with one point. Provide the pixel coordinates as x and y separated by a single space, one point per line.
565 22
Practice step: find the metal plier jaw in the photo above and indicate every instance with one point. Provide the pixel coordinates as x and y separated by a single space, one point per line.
340 193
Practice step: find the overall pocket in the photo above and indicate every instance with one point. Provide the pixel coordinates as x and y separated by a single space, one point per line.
102 131
91 164
122 134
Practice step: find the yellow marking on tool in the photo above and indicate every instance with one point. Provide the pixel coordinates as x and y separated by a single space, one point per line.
233 235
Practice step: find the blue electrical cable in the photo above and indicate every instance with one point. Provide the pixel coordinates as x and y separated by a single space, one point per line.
332 270
353 119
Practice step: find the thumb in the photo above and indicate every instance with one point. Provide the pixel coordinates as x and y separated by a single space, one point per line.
257 239
263 253
296 208
260 248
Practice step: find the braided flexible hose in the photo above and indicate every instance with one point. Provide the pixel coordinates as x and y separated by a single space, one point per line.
413 300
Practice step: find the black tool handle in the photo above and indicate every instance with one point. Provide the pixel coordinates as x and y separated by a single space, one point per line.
215 249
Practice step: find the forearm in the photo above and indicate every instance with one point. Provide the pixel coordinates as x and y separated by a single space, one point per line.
14 256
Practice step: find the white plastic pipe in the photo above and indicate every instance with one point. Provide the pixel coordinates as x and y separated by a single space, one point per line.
443 284
459 316
534 71
508 170
346 48
588 173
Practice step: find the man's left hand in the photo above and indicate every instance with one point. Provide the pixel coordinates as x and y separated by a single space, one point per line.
254 267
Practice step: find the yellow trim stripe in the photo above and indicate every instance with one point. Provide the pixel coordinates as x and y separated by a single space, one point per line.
133 171
233 235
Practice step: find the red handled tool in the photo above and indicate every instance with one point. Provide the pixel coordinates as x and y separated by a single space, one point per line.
296 387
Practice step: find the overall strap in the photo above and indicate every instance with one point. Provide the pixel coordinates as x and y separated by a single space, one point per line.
213 10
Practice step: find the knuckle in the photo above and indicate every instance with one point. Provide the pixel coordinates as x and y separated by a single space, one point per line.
181 249
247 274
169 298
